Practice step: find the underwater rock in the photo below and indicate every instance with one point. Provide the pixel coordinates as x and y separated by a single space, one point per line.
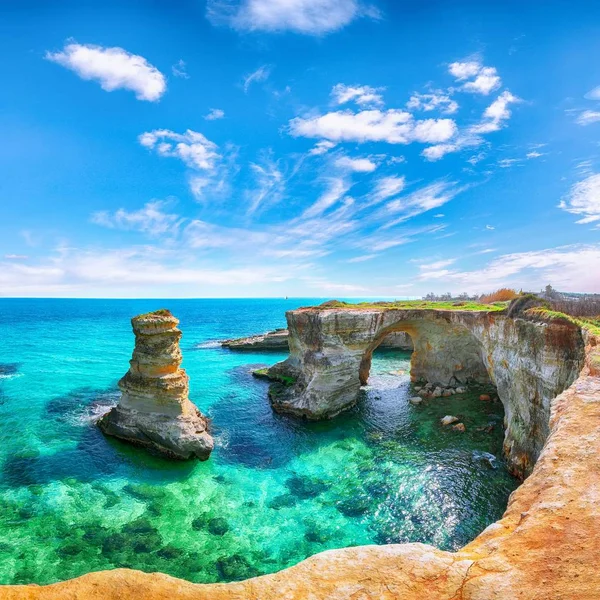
154 409
8 369
415 400
448 420
218 526
485 398
459 427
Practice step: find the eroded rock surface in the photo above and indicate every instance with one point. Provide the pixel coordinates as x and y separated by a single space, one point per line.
529 362
279 340
154 409
273 340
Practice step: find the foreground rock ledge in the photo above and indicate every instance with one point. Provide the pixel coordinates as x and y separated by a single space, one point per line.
154 409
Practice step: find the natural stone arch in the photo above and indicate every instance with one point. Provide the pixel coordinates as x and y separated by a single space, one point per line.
529 362
443 353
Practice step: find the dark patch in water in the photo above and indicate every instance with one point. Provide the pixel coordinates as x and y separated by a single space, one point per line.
235 568
305 487
283 501
9 369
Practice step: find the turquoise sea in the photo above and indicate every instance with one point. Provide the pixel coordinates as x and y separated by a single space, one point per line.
275 490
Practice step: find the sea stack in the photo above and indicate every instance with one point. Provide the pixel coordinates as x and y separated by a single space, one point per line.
154 409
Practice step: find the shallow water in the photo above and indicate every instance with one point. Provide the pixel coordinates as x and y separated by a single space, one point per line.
275 490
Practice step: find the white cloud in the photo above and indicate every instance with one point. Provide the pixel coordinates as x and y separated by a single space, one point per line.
431 196
396 160
566 268
150 219
210 168
214 114
362 258
360 165
363 95
270 184
179 70
584 199
587 117
387 187
464 70
16 256
478 79
311 17
462 141
496 114
593 94
505 163
321 147
392 126
437 265
437 100
337 187
494 118
261 74
194 149
534 154
114 68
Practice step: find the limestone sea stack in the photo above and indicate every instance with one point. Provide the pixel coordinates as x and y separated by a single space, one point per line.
154 409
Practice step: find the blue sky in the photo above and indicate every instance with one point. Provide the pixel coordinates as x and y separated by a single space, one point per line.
298 147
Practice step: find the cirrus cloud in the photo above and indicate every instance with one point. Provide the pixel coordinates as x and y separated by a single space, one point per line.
584 199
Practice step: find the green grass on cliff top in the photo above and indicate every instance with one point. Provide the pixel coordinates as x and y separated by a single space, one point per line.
416 305
592 324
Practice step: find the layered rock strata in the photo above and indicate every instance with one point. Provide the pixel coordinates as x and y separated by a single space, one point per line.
529 362
154 409
278 340
545 547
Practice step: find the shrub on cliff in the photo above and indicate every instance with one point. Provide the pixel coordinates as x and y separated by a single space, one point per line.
501 295
523 303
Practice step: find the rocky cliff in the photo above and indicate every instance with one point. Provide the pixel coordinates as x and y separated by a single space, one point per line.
154 409
530 362
544 548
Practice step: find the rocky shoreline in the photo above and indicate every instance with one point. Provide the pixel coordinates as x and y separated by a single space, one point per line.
154 410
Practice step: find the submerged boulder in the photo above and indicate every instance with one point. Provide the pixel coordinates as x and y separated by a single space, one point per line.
154 409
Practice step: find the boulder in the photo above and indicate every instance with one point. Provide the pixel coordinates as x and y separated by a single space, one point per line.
448 420
415 400
459 427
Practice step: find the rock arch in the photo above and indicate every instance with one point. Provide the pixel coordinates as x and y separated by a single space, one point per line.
529 362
